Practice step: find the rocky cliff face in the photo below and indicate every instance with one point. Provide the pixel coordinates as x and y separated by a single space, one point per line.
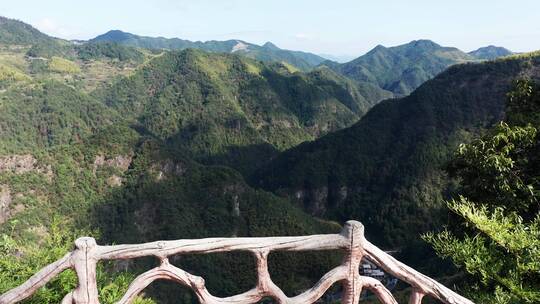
23 163
318 200
5 203
18 164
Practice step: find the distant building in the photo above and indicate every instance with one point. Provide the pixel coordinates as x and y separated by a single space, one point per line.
368 269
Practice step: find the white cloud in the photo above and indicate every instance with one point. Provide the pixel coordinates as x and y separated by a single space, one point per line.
53 28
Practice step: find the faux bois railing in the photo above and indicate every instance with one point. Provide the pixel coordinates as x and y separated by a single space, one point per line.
87 254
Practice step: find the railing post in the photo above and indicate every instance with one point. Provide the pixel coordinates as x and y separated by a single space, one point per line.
263 275
416 296
84 261
352 286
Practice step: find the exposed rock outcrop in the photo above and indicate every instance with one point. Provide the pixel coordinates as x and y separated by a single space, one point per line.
24 163
5 203
167 168
18 164
120 162
115 181
318 200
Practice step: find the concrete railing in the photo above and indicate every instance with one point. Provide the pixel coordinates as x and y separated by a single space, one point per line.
351 239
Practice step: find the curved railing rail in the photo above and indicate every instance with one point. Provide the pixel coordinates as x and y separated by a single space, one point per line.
351 239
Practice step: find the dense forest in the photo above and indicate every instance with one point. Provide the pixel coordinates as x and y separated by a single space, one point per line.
93 144
496 229
388 169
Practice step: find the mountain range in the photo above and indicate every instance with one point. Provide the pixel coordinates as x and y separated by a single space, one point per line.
102 138
267 52
401 69
398 69
122 138
220 106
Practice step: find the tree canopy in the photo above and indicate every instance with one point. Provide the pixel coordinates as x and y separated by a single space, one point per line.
497 240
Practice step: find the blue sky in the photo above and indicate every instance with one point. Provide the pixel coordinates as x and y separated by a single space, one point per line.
339 27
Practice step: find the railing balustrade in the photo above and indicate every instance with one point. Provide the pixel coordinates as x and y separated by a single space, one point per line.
351 239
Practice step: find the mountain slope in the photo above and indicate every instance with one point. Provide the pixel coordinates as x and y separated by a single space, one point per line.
66 157
490 52
44 114
19 33
268 52
15 33
114 160
401 69
121 187
386 169
221 105
16 36
141 41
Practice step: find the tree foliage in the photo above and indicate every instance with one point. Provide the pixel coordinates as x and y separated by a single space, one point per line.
19 261
387 169
497 240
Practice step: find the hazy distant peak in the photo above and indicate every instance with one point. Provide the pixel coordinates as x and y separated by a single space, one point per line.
376 50
379 47
490 52
270 45
114 35
424 43
13 31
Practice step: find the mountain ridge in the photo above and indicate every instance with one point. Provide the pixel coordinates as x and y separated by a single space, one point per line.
386 168
401 69
266 52
13 31
68 155
213 102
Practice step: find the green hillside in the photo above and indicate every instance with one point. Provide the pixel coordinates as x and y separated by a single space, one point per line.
225 109
15 32
15 35
403 68
122 187
109 50
49 113
100 139
386 170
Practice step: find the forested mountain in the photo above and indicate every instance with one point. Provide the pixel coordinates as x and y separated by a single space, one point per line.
267 52
121 186
220 106
386 170
99 139
17 32
131 139
225 108
403 68
490 52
